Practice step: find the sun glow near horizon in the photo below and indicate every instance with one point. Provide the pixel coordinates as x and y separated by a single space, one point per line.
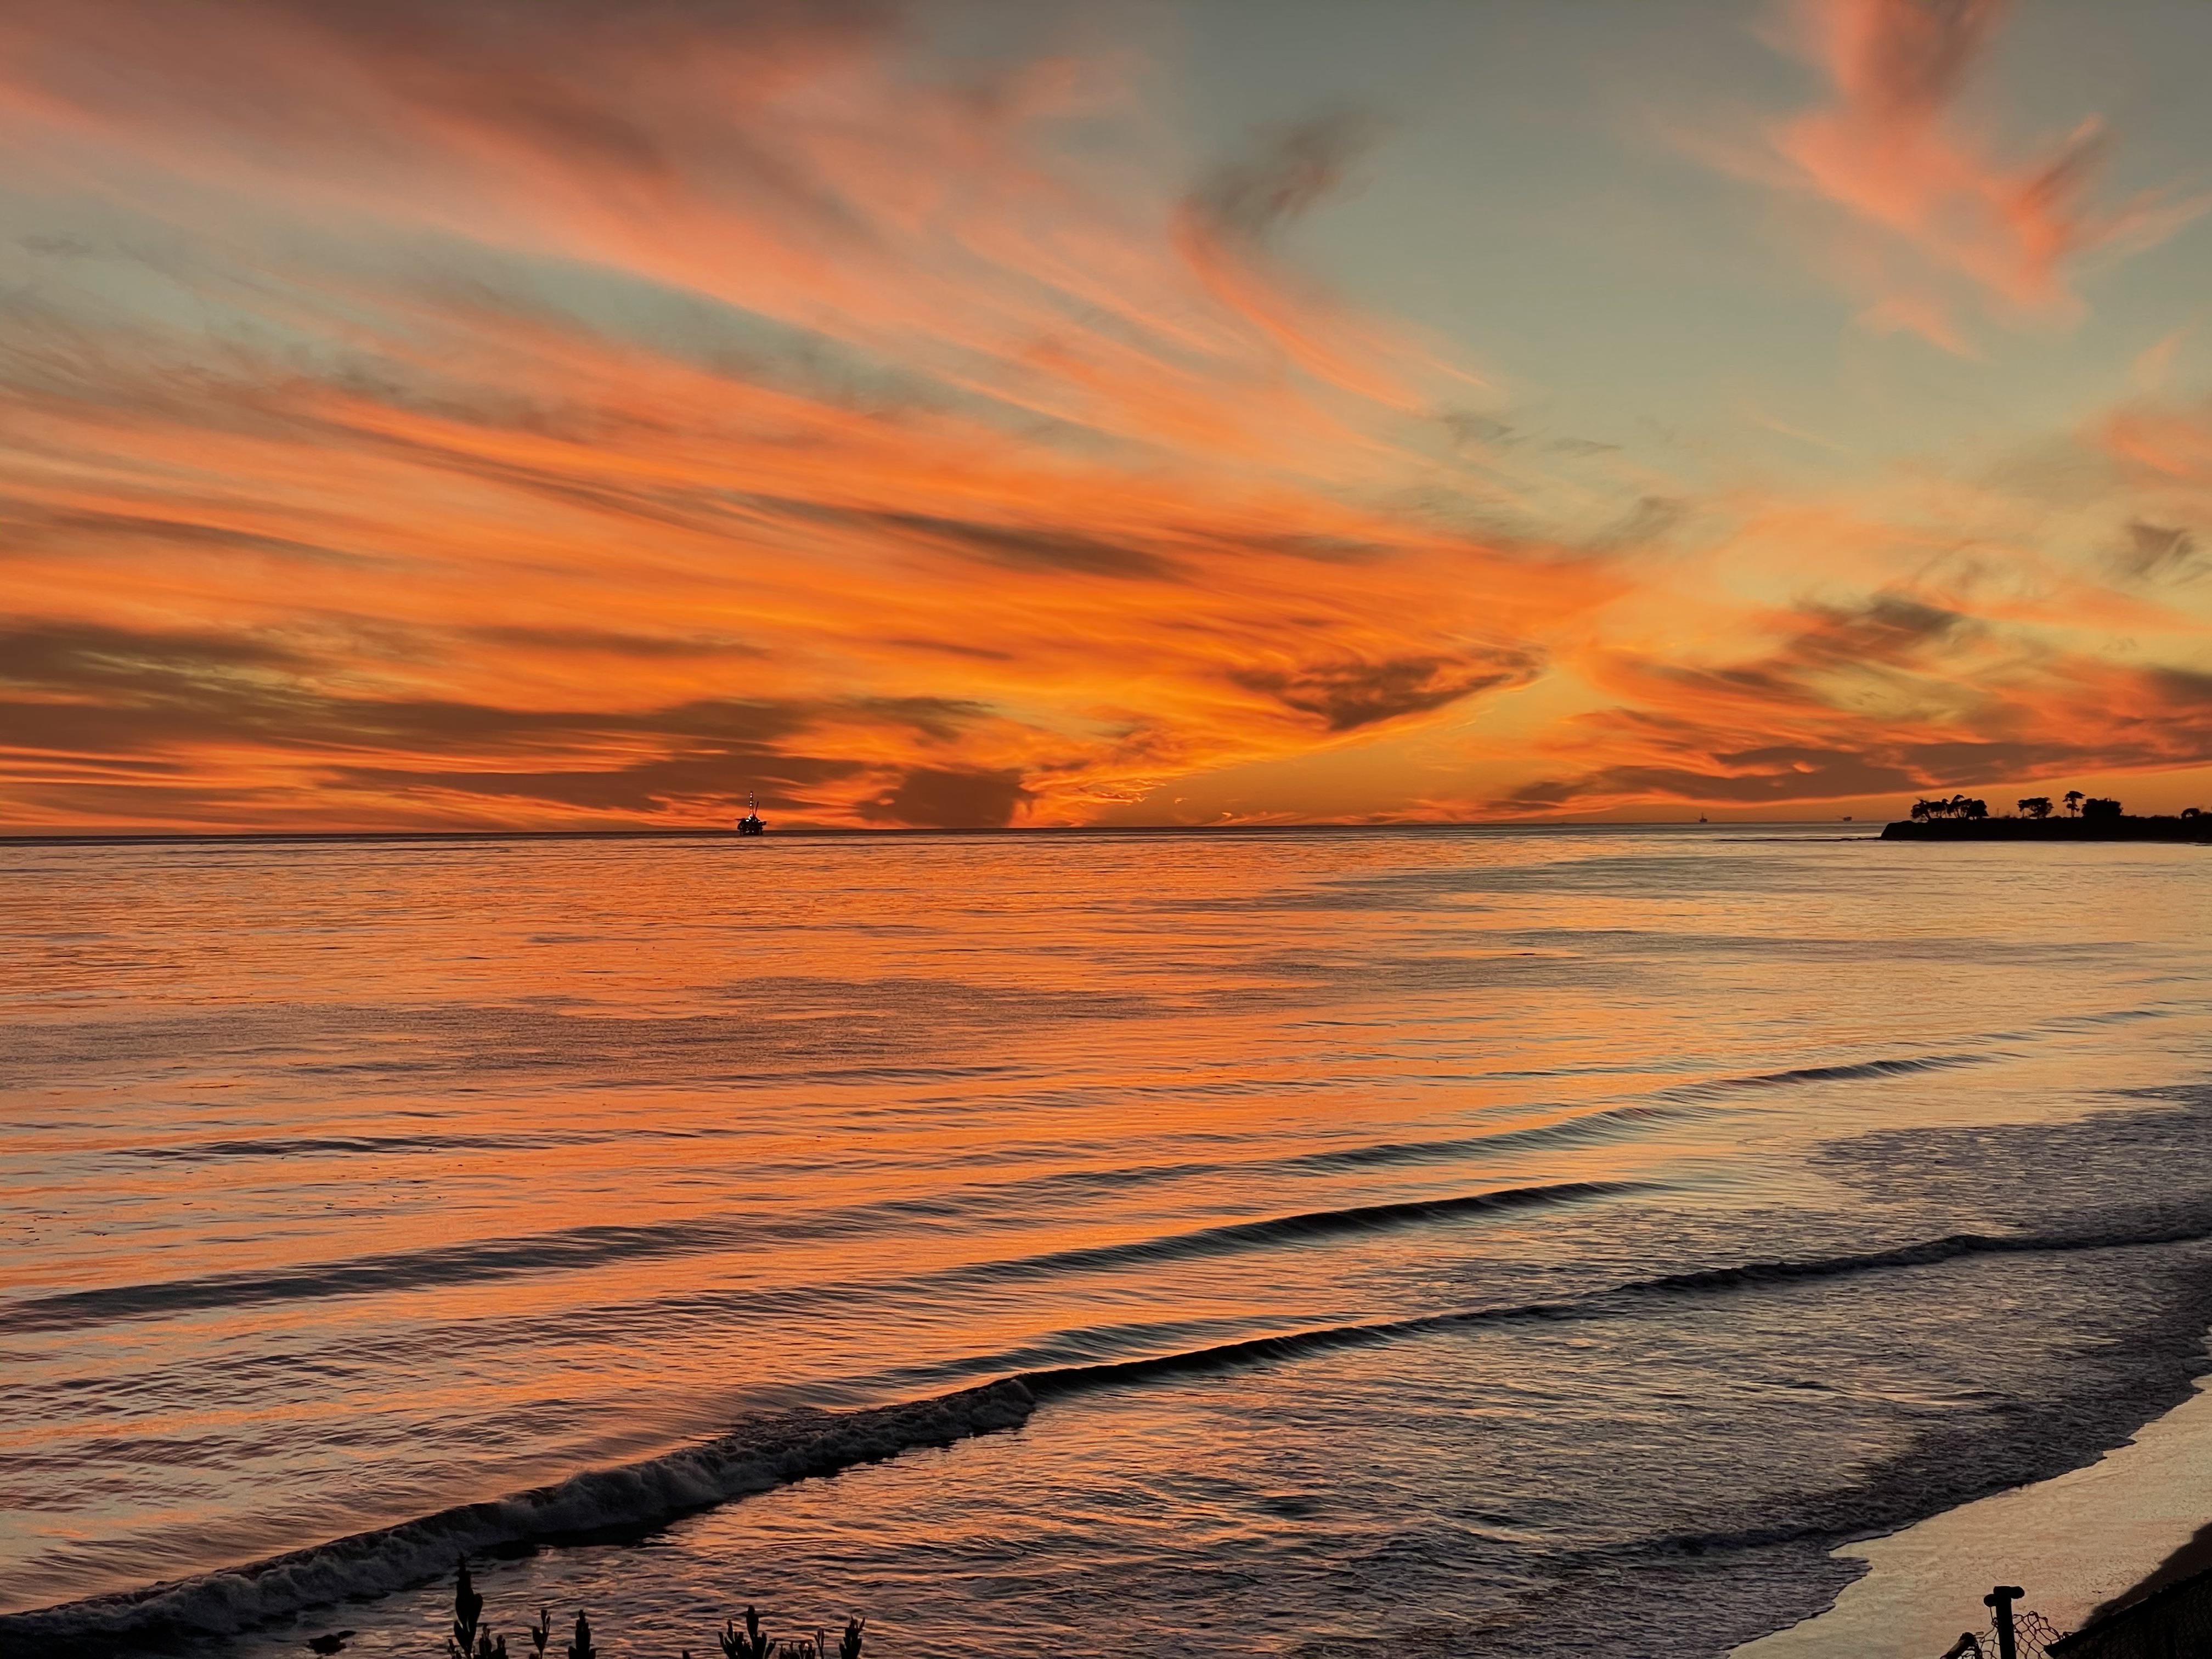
572 416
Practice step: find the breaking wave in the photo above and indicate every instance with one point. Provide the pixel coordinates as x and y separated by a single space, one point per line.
775 1450
766 1453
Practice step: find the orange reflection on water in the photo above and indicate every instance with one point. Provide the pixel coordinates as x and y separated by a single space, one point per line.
367 1177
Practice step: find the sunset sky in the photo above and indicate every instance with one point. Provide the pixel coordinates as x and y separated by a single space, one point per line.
542 413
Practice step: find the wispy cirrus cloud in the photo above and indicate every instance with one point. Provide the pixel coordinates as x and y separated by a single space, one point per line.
601 411
1939 215
569 413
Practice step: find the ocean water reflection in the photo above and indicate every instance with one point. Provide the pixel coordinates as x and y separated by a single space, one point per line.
1420 1237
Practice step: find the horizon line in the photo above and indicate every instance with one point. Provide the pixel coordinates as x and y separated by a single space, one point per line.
121 837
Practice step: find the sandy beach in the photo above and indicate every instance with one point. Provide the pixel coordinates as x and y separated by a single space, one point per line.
2091 1540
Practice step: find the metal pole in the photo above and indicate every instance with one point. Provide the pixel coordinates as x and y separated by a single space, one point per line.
2000 1600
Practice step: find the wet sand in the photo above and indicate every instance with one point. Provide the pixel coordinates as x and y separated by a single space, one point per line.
2087 1542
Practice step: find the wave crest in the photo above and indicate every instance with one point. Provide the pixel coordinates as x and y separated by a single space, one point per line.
763 1454
773 1451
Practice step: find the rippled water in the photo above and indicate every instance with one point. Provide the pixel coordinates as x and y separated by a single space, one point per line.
1502 1242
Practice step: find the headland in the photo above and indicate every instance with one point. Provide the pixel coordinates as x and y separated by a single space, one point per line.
2084 817
2128 828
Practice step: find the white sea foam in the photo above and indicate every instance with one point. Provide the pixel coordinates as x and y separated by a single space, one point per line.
766 1453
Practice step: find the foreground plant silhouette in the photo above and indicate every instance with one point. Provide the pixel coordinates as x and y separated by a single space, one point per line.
472 1639
753 1645
468 1609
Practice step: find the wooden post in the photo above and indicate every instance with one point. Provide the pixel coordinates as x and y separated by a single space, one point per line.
2000 1600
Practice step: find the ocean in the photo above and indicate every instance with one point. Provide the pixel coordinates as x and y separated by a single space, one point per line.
1344 1242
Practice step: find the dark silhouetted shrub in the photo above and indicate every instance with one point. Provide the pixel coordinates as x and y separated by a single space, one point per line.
471 1639
751 1645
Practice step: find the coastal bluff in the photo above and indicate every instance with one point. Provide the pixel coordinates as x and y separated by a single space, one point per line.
2117 828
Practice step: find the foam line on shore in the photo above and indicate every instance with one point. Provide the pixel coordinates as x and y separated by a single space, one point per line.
757 1456
787 1447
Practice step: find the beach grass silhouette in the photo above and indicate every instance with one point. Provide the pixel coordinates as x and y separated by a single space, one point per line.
472 1637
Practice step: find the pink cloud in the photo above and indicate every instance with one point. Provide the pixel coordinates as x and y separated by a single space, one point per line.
1953 217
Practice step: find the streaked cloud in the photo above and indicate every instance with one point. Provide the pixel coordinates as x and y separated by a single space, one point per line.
566 413
1944 217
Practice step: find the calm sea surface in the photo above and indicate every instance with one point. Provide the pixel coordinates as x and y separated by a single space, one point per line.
1348 1243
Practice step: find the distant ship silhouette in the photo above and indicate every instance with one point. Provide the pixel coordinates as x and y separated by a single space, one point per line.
751 825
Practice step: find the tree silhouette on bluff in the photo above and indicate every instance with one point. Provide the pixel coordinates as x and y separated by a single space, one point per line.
2103 818
1959 806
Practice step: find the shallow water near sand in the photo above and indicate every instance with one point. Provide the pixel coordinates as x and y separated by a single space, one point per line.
1523 1241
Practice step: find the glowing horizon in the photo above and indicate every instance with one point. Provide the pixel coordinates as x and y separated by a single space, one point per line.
569 416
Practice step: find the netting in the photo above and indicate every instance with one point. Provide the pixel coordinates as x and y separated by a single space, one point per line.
2032 1635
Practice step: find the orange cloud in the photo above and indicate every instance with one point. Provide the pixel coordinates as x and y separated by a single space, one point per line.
517 414
1899 694
1948 212
770 412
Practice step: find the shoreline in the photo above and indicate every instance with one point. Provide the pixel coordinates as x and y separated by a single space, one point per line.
2083 1544
2062 831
